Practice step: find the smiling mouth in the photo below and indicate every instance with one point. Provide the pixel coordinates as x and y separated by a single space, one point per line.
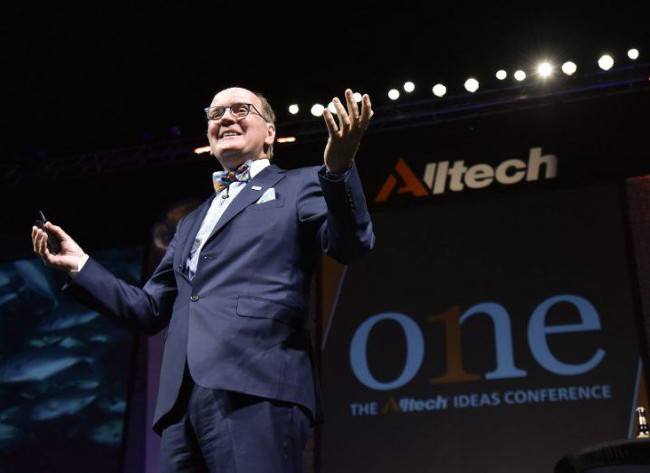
229 135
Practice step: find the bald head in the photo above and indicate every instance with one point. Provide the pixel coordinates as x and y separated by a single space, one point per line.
233 140
246 95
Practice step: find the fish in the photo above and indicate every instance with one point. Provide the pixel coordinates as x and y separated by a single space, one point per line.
69 342
37 365
15 412
8 297
34 277
60 406
109 433
114 406
64 321
87 384
99 338
45 340
8 432
73 378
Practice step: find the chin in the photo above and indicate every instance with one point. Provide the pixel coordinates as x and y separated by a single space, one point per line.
229 154
230 160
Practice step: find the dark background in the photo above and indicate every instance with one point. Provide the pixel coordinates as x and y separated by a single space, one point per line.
101 75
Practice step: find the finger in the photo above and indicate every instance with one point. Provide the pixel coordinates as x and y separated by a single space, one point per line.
40 242
44 242
47 256
344 119
329 121
58 231
34 235
42 245
44 251
366 111
353 109
37 241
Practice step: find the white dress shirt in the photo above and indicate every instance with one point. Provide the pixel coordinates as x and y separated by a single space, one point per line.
216 210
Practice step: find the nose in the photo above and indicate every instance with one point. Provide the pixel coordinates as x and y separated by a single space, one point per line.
228 117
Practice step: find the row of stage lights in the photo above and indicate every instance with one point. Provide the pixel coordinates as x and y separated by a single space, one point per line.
544 70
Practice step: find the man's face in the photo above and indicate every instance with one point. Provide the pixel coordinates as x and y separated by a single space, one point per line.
246 137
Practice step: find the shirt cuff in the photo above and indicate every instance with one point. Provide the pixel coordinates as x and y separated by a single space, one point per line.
336 176
80 266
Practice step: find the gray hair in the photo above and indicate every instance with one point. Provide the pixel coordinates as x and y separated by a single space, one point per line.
269 116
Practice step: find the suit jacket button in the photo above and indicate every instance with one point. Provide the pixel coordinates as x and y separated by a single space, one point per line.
194 298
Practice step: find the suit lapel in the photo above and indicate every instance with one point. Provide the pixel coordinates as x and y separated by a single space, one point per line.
266 178
188 238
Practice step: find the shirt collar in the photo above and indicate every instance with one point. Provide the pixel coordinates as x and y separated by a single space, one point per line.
258 165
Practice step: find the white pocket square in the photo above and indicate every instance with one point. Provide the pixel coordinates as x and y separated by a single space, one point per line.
269 194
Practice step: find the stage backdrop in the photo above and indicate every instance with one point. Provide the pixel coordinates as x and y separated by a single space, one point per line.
494 334
64 371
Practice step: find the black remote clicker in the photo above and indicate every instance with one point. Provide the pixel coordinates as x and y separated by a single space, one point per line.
53 244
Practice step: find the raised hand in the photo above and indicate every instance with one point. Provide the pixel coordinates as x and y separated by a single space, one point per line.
69 256
344 138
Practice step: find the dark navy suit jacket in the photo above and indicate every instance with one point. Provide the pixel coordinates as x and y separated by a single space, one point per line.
241 322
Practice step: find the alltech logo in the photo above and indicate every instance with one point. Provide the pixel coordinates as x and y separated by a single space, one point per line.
442 176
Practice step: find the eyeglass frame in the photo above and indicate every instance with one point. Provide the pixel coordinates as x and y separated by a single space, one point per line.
229 108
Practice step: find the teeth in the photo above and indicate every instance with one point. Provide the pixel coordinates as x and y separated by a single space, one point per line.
230 134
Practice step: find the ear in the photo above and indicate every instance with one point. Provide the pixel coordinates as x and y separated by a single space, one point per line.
270 134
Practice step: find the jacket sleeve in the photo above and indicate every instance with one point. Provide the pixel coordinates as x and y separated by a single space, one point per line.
145 310
334 208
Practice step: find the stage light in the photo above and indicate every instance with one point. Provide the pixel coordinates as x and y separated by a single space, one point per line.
202 149
393 94
520 75
605 62
569 68
286 139
501 74
317 110
633 54
545 69
471 85
357 97
331 107
293 109
439 90
409 87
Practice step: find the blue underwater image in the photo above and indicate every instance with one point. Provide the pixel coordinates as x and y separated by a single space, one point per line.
64 371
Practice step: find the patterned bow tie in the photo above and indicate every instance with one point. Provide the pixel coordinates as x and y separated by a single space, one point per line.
222 179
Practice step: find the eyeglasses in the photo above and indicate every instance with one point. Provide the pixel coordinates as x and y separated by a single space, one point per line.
237 110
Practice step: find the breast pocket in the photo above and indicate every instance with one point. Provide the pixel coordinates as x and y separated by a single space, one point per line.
269 204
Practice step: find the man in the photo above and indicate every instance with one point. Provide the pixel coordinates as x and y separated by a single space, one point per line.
238 389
